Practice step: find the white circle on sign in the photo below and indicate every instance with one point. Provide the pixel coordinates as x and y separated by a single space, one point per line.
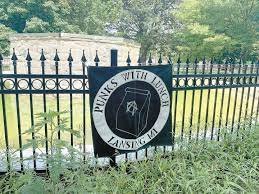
99 118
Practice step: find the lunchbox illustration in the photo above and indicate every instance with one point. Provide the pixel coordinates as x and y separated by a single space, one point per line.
132 113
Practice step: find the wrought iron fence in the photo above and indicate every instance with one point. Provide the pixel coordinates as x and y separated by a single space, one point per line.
207 97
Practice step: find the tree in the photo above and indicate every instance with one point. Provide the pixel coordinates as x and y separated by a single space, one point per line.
73 16
149 22
57 15
219 28
4 43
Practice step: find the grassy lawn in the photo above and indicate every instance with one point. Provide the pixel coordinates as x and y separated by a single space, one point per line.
38 107
78 118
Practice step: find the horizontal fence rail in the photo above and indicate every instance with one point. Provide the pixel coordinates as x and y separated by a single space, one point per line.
39 84
33 83
207 97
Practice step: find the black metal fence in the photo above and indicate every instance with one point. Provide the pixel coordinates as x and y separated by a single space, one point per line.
207 97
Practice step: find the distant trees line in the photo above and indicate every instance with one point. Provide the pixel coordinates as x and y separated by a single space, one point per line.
212 28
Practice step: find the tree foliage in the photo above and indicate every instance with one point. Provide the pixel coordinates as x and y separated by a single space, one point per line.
4 43
57 15
218 28
215 28
74 16
149 22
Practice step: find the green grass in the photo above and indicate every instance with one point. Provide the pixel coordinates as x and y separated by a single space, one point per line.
38 108
228 166
78 120
187 117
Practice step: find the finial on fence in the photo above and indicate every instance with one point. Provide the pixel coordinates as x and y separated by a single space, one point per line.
196 61
234 60
170 60
240 61
179 60
211 61
1 60
28 57
204 61
128 61
253 61
150 59
187 61
42 57
14 57
227 61
160 59
83 59
139 61
96 59
218 64
70 58
56 58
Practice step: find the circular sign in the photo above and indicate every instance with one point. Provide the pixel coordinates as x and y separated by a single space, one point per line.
131 108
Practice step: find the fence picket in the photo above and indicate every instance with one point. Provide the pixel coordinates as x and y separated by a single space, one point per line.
43 59
18 115
5 120
29 59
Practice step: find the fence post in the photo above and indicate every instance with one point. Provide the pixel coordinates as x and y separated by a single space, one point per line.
114 57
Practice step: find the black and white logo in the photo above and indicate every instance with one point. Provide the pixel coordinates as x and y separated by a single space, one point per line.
131 108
